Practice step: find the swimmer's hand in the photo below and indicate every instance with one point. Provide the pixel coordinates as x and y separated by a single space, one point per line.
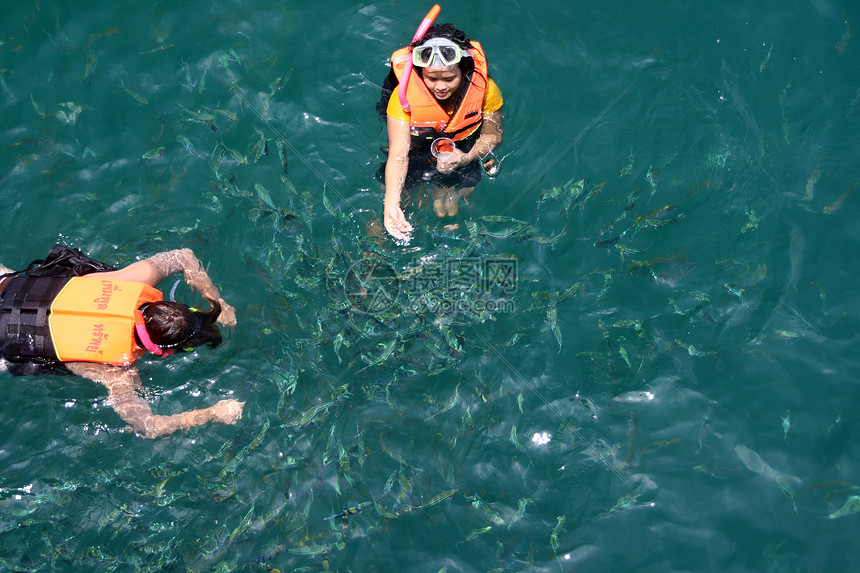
395 222
452 161
228 314
227 411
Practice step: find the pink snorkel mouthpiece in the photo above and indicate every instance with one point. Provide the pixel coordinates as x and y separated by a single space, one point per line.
407 69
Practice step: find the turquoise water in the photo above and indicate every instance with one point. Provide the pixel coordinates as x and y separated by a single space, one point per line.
661 377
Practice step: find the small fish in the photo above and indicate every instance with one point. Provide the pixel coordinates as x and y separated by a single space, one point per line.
259 439
786 424
161 48
835 423
504 233
629 167
573 193
310 550
783 95
437 499
246 521
852 505
738 293
516 442
551 240
752 222
310 414
328 205
282 153
156 153
766 59
656 445
347 511
787 334
551 194
838 202
476 532
90 67
625 501
656 213
264 195
387 349
840 47
240 159
553 538
226 113
275 86
521 510
501 219
576 200
552 318
717 471
202 85
199 116
268 555
186 143
810 183
785 486
139 98
607 243
652 176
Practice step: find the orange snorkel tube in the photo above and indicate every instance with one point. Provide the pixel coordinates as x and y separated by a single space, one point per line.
407 69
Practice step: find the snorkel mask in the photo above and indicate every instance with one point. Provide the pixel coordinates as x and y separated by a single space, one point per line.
437 53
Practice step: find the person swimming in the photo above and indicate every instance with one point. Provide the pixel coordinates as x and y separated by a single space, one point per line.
452 97
69 314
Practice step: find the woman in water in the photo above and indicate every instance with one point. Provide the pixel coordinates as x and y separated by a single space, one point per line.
451 98
72 314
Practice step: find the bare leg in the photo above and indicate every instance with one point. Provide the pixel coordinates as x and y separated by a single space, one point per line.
446 200
440 203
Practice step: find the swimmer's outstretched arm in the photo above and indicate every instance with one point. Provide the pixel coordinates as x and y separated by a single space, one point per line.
160 266
396 167
122 385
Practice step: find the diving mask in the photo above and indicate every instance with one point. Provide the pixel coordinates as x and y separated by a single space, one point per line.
441 50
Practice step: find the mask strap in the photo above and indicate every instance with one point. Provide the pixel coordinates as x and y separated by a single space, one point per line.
143 335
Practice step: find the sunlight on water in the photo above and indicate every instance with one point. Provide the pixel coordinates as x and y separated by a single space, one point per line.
633 352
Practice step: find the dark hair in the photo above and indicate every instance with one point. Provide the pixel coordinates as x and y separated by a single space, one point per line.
466 64
176 326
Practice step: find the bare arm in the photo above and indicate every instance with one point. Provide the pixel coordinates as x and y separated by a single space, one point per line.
122 385
395 177
160 266
490 138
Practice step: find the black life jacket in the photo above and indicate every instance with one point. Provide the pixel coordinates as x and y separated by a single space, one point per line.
25 338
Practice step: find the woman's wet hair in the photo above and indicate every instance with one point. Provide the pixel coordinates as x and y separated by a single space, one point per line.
175 325
466 64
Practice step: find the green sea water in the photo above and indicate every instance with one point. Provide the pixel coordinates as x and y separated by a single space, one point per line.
635 353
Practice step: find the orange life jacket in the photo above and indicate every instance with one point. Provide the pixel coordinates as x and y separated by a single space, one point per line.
430 119
92 319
